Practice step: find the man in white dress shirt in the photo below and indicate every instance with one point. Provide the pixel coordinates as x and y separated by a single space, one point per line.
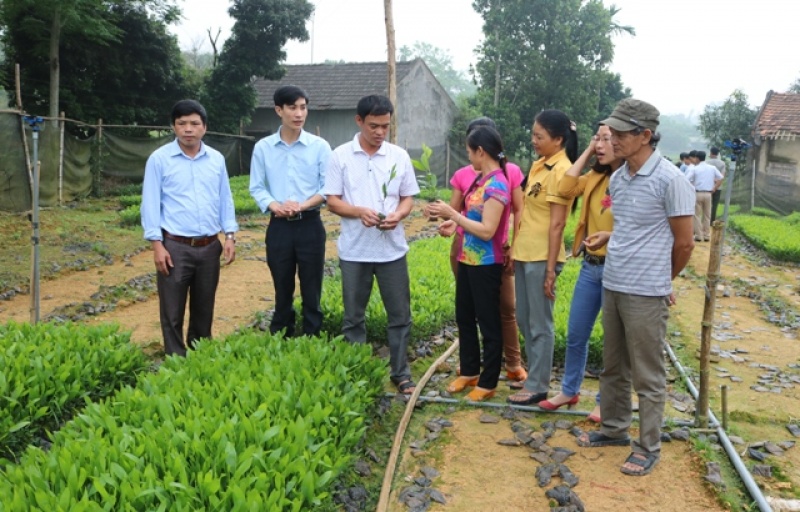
370 184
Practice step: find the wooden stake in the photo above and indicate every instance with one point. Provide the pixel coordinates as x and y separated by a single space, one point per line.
62 124
18 86
27 151
712 278
392 65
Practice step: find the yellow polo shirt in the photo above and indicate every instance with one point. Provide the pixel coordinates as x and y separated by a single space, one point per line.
540 192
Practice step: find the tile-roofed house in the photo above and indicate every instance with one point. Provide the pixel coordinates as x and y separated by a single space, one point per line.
776 153
424 110
779 117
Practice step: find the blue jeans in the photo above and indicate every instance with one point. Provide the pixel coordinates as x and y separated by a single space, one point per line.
587 299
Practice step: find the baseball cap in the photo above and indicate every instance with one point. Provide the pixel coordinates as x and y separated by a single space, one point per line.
630 114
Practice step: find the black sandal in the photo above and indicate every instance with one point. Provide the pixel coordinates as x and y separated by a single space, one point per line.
405 385
597 439
645 461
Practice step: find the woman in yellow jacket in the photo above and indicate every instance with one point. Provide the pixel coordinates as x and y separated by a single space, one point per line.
594 227
538 249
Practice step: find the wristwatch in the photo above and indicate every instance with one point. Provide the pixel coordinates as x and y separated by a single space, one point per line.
229 236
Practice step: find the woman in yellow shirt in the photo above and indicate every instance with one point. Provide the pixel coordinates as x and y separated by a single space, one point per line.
595 224
538 249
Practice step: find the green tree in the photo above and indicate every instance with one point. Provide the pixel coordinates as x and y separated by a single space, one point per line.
731 119
131 79
440 62
45 26
540 54
254 49
795 87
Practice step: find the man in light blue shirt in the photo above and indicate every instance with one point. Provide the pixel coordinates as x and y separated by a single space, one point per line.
186 203
287 174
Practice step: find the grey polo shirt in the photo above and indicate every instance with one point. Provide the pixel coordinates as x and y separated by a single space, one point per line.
639 260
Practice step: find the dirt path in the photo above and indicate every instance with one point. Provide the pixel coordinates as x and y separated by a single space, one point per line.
245 287
477 474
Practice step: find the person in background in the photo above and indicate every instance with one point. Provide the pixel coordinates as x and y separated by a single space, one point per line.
287 173
594 227
186 203
370 184
685 162
714 160
706 179
651 243
484 219
538 249
461 181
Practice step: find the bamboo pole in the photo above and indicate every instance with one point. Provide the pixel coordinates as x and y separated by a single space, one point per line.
241 132
18 86
27 151
447 166
62 124
712 278
386 487
392 68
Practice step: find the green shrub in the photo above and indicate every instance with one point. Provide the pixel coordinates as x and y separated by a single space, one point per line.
732 209
793 219
777 237
432 293
254 422
49 371
243 202
132 200
764 212
131 216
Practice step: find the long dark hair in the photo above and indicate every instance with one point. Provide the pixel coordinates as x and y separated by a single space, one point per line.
557 124
488 138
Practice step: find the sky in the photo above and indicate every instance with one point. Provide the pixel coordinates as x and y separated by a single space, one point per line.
685 54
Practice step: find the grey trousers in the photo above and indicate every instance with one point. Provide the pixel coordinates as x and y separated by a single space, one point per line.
195 274
535 319
635 329
357 278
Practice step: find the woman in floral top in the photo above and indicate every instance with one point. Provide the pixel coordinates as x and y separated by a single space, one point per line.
484 219
594 227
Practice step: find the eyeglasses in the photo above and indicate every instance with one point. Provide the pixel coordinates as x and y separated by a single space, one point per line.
535 189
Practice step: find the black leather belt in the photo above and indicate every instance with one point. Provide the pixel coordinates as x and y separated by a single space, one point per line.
198 241
593 259
305 214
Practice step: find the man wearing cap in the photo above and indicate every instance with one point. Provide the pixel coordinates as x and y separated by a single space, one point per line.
714 160
653 206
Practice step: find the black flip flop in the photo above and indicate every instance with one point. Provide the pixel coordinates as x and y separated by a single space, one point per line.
598 440
646 461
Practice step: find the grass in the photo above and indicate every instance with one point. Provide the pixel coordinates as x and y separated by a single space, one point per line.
76 237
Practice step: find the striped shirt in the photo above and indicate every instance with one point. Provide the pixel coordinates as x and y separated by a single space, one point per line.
364 180
639 260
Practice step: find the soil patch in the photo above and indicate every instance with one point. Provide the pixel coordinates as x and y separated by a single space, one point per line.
477 474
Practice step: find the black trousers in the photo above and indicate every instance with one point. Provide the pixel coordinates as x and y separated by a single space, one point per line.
195 274
478 305
296 247
714 203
